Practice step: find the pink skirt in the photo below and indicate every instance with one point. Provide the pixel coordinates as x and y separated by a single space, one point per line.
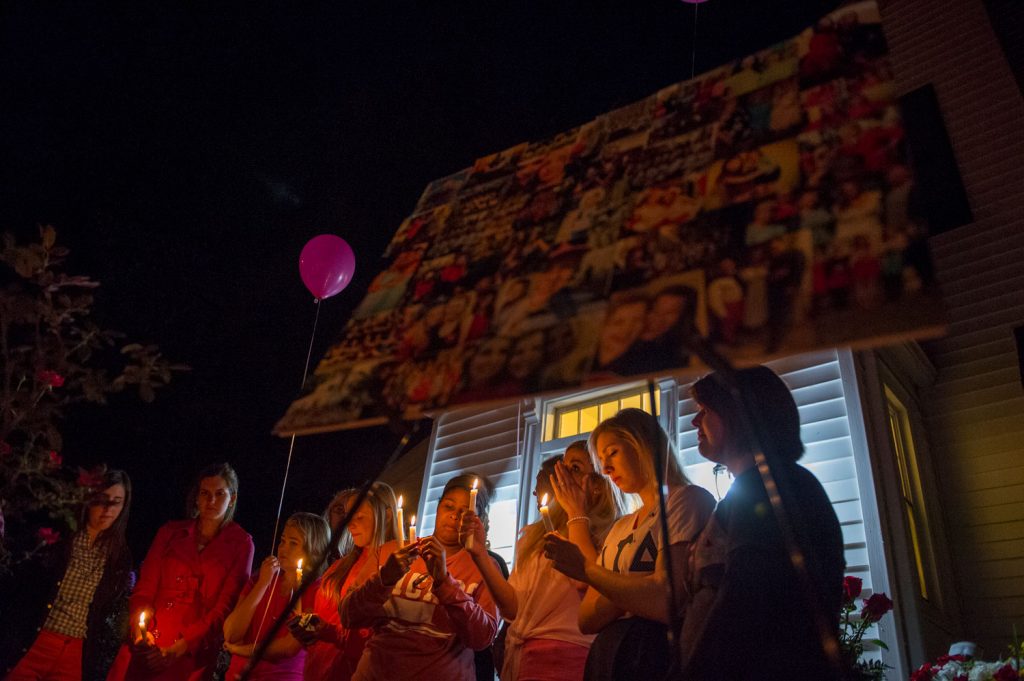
545 659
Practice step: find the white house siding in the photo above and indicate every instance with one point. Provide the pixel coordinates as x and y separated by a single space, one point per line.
975 410
483 441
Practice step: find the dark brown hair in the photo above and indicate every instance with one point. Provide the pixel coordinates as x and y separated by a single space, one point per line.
217 470
771 411
111 539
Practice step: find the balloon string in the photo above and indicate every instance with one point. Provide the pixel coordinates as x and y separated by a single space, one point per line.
291 444
259 629
693 47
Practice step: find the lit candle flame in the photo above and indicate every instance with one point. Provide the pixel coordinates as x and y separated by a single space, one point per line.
544 500
475 482
142 620
399 501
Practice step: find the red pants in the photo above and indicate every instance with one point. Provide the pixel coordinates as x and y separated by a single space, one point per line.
53 657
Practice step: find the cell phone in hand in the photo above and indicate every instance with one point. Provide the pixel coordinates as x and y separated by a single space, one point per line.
307 621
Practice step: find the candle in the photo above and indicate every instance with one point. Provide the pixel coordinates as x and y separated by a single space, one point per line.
472 507
412 530
545 515
142 626
298 572
401 523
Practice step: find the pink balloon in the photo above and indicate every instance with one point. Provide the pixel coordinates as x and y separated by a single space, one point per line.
326 265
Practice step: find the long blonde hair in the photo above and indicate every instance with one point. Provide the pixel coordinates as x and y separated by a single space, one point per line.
606 509
316 536
643 432
385 528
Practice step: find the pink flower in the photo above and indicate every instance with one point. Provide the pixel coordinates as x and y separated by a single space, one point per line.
50 378
876 606
55 459
89 478
48 535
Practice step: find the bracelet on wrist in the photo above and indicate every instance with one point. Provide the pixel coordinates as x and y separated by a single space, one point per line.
577 519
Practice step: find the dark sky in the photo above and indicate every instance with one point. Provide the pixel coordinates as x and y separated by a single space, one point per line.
185 152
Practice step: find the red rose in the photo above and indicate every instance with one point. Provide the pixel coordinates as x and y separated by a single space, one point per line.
50 378
852 587
55 459
923 673
48 535
876 606
1005 673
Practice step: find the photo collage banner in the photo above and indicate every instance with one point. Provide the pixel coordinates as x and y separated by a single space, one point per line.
767 207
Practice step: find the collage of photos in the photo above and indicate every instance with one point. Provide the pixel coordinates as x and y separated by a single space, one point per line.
766 207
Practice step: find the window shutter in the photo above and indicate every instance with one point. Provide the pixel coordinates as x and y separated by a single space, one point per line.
483 441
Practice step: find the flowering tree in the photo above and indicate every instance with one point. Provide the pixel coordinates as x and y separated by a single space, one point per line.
54 356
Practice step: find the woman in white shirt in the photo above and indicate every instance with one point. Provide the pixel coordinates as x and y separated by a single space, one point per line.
544 642
627 602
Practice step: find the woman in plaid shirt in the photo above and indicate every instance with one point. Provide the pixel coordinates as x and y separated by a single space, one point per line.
87 615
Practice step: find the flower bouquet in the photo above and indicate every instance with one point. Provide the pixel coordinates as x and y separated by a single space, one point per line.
966 668
852 630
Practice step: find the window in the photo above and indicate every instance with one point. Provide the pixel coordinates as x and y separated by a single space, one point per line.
910 489
577 419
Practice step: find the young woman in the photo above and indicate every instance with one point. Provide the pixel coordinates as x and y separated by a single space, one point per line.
188 584
544 642
87 615
428 606
747 589
333 652
626 603
305 538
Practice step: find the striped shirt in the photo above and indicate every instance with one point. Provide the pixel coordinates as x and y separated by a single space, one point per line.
71 607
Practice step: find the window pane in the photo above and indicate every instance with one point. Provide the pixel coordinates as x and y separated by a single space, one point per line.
568 423
588 419
633 401
609 409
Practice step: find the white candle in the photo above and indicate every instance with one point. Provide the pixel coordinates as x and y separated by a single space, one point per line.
412 530
142 625
545 515
472 507
298 572
401 522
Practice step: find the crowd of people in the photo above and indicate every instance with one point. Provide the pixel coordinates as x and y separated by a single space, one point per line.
588 596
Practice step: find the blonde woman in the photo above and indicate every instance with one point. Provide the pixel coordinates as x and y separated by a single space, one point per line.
332 651
626 603
305 537
544 642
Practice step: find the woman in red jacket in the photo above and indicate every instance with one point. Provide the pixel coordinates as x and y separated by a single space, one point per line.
188 584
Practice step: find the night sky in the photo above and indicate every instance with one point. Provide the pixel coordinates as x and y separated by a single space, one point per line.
185 153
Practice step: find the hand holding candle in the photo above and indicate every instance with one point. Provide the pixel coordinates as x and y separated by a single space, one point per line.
545 514
401 522
472 507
